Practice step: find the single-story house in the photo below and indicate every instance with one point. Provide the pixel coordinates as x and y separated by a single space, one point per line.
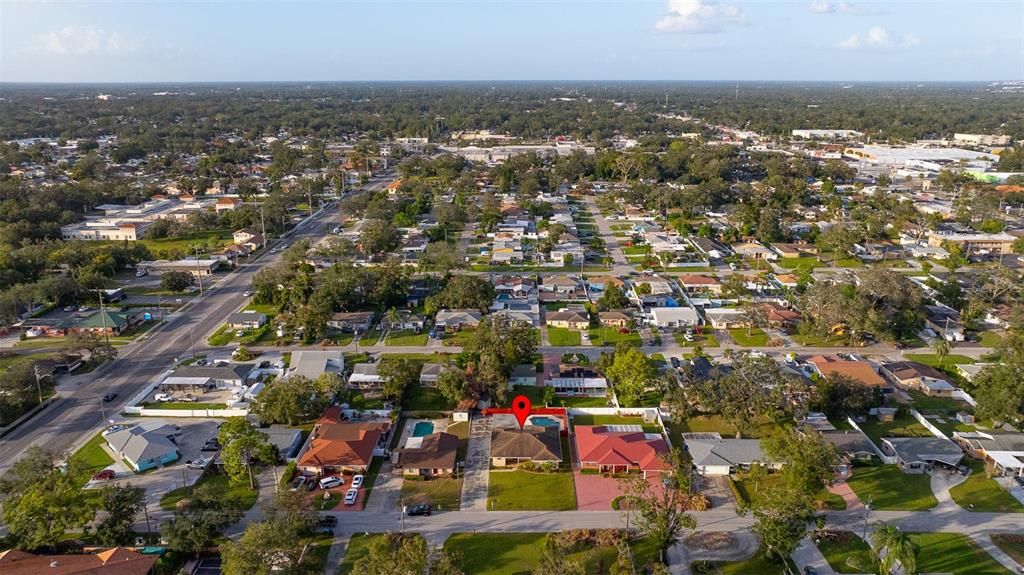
429 374
787 250
862 371
919 454
146 445
614 319
754 250
337 446
850 444
560 284
351 321
457 319
568 319
578 380
365 376
620 448
695 283
725 317
713 455
945 321
674 317
313 363
112 561
539 444
523 374
1003 450
599 283
913 375
247 320
778 316
217 376
429 456
286 439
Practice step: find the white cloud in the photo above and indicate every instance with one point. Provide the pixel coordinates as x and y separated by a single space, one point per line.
698 16
878 38
829 7
84 40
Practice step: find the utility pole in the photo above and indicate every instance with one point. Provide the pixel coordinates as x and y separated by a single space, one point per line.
103 411
199 272
103 317
39 387
149 530
192 342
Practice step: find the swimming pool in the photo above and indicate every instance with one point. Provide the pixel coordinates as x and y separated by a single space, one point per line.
422 428
544 421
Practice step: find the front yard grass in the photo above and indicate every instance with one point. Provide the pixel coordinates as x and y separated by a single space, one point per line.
406 337
443 493
90 458
525 491
749 338
932 360
760 563
887 488
236 497
703 340
520 553
1011 544
589 419
459 338
753 493
953 553
984 493
610 336
560 336
847 553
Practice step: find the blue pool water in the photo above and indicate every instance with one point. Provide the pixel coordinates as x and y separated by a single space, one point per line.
543 421
422 428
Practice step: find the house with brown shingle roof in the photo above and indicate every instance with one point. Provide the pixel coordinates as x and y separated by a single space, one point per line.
337 446
510 447
115 561
429 456
614 318
568 319
862 371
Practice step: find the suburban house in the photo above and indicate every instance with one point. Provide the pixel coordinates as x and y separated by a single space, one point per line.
517 287
620 449
351 321
713 455
851 445
98 322
920 454
754 251
337 446
614 319
778 316
862 371
429 374
146 445
710 248
539 444
696 283
794 250
568 319
600 283
457 319
726 317
578 380
944 321
523 374
674 317
365 376
313 363
247 320
429 456
201 377
916 376
113 561
1005 451
561 285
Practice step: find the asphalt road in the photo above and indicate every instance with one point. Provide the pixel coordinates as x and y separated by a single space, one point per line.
80 411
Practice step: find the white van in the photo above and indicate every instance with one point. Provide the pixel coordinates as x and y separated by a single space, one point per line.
332 481
163 397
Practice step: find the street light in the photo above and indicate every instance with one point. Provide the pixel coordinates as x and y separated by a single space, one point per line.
39 387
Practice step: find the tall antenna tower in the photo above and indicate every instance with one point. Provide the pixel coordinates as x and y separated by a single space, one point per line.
737 90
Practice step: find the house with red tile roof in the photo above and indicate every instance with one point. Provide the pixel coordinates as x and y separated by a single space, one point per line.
337 446
114 561
620 448
862 371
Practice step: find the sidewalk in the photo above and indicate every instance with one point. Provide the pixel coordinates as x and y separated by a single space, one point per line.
985 541
807 554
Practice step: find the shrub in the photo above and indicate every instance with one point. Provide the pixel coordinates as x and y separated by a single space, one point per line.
287 475
698 502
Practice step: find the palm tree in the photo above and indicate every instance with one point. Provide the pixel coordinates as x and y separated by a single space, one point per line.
392 316
941 349
893 546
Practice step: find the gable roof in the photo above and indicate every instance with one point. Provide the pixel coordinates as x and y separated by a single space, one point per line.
311 363
849 442
143 442
115 561
601 445
533 442
567 316
436 451
907 370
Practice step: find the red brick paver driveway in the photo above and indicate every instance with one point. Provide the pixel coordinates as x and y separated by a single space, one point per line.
596 492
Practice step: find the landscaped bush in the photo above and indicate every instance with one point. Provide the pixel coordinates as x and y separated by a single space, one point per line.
287 475
546 467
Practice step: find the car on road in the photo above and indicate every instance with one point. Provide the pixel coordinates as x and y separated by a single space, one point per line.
105 475
350 496
69 308
357 481
421 509
110 396
327 521
84 308
246 293
200 463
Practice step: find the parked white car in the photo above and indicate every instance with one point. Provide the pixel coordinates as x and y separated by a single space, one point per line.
200 463
163 397
350 496
330 482
357 481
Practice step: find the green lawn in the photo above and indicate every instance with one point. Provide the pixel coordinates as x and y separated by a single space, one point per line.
989 339
812 340
905 426
523 491
220 238
358 547
753 493
984 493
588 419
759 564
1011 544
560 336
703 340
582 401
953 553
889 489
419 398
520 553
370 337
406 337
717 424
847 553
749 338
90 458
925 403
459 338
534 393
237 497
932 360
443 493
808 262
360 401
8 361
610 337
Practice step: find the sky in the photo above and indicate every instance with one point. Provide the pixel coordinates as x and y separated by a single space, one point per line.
436 40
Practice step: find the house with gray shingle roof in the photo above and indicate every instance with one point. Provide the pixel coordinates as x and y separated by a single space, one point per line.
713 455
145 446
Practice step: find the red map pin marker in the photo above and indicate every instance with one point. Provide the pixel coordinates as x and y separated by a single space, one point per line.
521 408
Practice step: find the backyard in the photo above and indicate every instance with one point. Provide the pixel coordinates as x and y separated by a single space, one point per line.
953 553
887 488
901 426
589 419
984 493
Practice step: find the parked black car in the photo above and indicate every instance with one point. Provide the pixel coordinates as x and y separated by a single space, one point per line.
675 362
211 445
110 397
421 509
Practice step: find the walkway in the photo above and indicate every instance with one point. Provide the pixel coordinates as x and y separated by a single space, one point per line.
941 483
478 463
843 489
985 542
339 545
807 554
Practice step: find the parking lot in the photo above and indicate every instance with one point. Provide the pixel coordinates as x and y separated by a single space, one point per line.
188 395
